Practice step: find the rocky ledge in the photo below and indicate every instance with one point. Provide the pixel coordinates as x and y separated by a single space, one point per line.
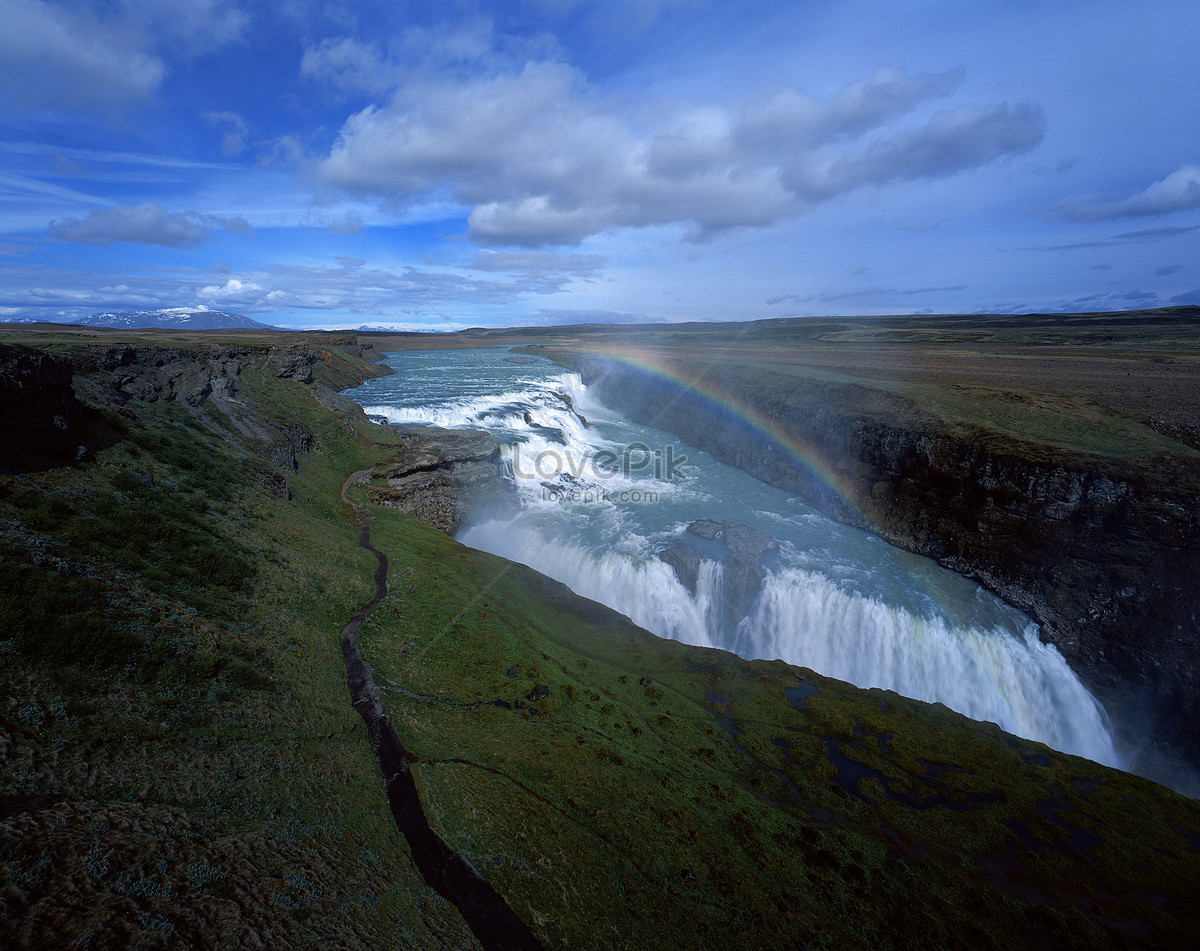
443 475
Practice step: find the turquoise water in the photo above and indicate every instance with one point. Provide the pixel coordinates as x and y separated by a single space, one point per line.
601 496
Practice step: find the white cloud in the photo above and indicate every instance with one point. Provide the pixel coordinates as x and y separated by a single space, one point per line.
348 65
235 291
793 119
1179 191
65 59
542 160
144 224
80 56
952 141
191 27
537 261
147 223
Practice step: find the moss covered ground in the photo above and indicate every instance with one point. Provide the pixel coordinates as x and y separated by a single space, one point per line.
180 765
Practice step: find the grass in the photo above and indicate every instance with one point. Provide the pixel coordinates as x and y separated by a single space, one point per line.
670 794
180 763
181 766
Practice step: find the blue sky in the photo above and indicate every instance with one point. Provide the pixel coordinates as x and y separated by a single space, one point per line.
538 162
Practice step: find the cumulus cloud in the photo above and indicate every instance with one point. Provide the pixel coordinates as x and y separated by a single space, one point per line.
56 57
235 291
143 224
794 119
542 160
349 65
1179 191
78 56
952 141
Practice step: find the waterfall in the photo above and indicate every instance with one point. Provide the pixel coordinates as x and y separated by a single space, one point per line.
598 508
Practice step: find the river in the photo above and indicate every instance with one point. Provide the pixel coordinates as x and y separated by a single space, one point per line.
605 508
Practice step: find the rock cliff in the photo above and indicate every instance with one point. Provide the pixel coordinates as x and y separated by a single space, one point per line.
191 376
38 409
442 475
1103 552
741 551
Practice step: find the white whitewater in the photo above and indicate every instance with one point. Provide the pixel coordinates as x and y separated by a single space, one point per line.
595 514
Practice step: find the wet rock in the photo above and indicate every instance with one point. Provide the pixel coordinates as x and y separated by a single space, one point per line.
570 403
685 559
743 572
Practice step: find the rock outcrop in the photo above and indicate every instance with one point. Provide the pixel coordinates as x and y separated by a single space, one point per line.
191 376
442 475
196 375
740 549
38 408
1102 552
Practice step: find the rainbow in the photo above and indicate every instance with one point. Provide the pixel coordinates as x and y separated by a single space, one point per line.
806 458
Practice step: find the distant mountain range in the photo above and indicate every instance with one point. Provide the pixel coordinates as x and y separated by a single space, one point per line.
172 318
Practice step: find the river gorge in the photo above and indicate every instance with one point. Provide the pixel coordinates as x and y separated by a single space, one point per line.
702 552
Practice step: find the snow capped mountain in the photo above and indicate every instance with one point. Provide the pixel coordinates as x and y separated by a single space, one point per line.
173 318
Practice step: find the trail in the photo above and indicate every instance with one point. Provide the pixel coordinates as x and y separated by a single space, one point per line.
452 876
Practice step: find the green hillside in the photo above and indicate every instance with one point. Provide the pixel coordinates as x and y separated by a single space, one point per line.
180 764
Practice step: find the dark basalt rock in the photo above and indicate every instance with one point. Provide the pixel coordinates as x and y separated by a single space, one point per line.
685 560
292 363
442 475
741 552
293 441
38 409
570 403
152 373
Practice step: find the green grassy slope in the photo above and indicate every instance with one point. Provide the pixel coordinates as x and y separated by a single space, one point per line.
179 762
661 793
180 765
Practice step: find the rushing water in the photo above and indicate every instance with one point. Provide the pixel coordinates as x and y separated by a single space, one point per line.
602 497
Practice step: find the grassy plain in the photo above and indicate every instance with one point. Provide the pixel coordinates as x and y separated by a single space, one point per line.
1125 383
